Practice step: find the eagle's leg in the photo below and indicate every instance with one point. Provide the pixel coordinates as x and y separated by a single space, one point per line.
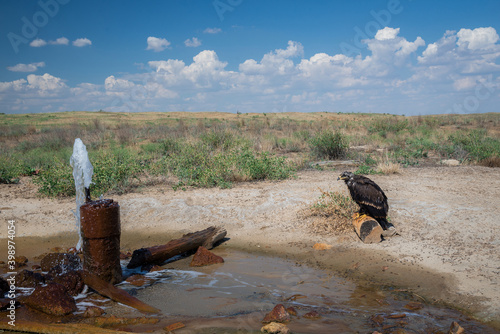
384 223
362 212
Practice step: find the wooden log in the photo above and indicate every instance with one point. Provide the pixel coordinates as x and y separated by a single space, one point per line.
27 326
367 228
116 294
189 242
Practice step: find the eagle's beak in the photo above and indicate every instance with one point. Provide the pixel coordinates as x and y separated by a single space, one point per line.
338 178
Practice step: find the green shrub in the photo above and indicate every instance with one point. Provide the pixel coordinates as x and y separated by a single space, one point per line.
197 165
477 144
385 125
364 169
218 139
9 169
263 166
194 165
170 146
56 180
39 159
113 170
367 167
329 145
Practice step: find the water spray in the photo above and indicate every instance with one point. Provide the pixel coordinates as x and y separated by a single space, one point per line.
82 173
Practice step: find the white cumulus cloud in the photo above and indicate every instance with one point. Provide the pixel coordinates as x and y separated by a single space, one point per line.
386 33
26 67
395 75
36 43
479 38
277 61
60 41
157 44
81 42
113 84
45 85
193 42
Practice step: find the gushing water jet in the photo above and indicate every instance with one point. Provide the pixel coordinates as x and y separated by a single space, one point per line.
82 174
98 222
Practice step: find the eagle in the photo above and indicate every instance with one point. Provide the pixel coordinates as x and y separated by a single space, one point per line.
371 199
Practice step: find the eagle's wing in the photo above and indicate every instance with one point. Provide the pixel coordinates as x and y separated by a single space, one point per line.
367 193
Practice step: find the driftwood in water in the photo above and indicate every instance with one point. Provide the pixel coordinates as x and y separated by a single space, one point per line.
367 228
116 294
27 326
158 254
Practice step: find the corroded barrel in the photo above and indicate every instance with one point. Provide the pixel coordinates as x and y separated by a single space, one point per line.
100 228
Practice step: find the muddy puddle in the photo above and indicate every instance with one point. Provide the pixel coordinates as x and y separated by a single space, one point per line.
235 296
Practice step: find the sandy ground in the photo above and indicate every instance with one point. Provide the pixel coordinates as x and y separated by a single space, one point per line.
448 249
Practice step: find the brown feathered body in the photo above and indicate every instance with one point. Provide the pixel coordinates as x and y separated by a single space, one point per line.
368 195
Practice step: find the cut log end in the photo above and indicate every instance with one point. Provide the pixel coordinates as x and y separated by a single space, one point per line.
219 233
367 228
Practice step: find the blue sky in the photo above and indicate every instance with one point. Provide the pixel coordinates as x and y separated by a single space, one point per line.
410 57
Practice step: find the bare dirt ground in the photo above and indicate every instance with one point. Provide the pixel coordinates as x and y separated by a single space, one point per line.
448 249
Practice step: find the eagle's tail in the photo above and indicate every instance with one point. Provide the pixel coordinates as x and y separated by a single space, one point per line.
384 223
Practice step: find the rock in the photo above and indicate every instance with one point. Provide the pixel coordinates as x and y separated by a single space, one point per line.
278 314
124 256
321 246
414 306
313 315
292 311
67 262
155 268
72 281
455 328
174 326
29 279
204 257
377 319
450 162
93 311
21 261
137 280
398 331
52 299
275 328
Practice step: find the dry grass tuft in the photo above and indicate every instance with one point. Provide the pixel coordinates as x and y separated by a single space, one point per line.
388 168
331 214
493 161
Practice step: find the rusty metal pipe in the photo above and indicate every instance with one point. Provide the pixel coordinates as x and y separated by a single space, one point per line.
100 228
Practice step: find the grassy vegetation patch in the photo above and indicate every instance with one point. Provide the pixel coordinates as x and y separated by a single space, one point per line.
219 149
329 145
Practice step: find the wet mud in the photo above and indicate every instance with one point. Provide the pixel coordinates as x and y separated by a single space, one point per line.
235 296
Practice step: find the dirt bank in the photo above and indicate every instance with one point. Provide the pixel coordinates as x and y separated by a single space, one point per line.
448 249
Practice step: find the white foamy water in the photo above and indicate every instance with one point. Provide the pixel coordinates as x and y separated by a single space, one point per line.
82 173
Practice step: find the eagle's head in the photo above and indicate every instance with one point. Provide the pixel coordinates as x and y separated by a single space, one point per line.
345 176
